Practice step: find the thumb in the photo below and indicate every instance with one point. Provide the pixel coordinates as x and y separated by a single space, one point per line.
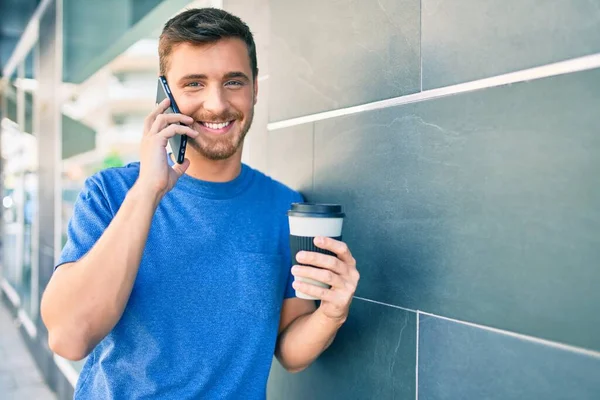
181 168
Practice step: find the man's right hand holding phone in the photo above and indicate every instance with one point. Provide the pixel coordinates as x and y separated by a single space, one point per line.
95 289
156 177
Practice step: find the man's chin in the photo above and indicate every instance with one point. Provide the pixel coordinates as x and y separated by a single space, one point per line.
215 151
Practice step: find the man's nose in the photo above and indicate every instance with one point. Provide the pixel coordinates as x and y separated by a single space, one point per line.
215 101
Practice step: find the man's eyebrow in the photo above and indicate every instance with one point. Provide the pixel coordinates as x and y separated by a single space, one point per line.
229 75
237 74
193 76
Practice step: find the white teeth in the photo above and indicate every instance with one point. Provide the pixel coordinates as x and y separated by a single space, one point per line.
216 126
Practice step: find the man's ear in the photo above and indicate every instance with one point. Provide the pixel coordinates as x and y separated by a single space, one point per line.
255 90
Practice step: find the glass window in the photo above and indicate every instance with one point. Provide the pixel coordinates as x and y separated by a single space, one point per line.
107 130
29 176
12 188
11 99
12 228
20 188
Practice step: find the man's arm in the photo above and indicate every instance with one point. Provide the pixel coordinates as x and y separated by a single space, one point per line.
305 337
305 332
84 300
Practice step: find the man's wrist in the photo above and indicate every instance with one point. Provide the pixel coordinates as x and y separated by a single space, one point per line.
144 193
327 321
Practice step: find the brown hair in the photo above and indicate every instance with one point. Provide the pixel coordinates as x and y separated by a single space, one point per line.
200 26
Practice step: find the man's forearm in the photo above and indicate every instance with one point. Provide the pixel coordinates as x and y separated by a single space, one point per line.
305 339
84 301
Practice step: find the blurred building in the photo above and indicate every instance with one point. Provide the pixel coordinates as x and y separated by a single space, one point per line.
460 136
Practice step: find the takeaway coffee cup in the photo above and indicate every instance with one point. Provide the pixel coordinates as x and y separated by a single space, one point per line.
308 220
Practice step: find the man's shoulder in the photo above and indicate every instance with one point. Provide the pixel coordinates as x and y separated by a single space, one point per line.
277 189
113 182
126 174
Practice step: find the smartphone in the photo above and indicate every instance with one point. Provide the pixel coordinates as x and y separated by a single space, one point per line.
177 142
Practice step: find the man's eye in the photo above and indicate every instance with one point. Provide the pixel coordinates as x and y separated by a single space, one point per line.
193 84
234 83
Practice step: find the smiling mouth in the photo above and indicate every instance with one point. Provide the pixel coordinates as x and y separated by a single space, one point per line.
216 126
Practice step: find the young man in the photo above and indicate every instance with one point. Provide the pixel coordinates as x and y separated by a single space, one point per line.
175 279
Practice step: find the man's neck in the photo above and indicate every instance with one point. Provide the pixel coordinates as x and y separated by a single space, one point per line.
213 170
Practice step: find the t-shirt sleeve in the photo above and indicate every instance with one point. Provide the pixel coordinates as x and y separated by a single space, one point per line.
289 290
91 216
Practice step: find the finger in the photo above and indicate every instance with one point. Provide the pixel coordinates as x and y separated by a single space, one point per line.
314 291
337 247
177 129
181 168
321 260
159 109
164 120
320 275
355 276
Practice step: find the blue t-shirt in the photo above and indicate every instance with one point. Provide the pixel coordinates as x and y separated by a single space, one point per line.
203 315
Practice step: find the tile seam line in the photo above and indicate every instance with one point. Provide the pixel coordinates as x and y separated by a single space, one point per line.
417 360
529 338
313 156
578 64
421 44
522 336
385 304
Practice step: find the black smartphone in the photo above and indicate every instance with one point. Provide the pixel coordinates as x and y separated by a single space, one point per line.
177 142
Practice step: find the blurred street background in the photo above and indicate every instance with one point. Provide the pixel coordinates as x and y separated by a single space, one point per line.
19 376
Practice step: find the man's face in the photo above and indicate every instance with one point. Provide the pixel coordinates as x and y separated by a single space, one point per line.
213 84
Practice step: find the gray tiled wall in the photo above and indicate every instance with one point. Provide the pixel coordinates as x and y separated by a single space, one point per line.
373 357
326 55
290 157
457 361
481 209
482 206
474 39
